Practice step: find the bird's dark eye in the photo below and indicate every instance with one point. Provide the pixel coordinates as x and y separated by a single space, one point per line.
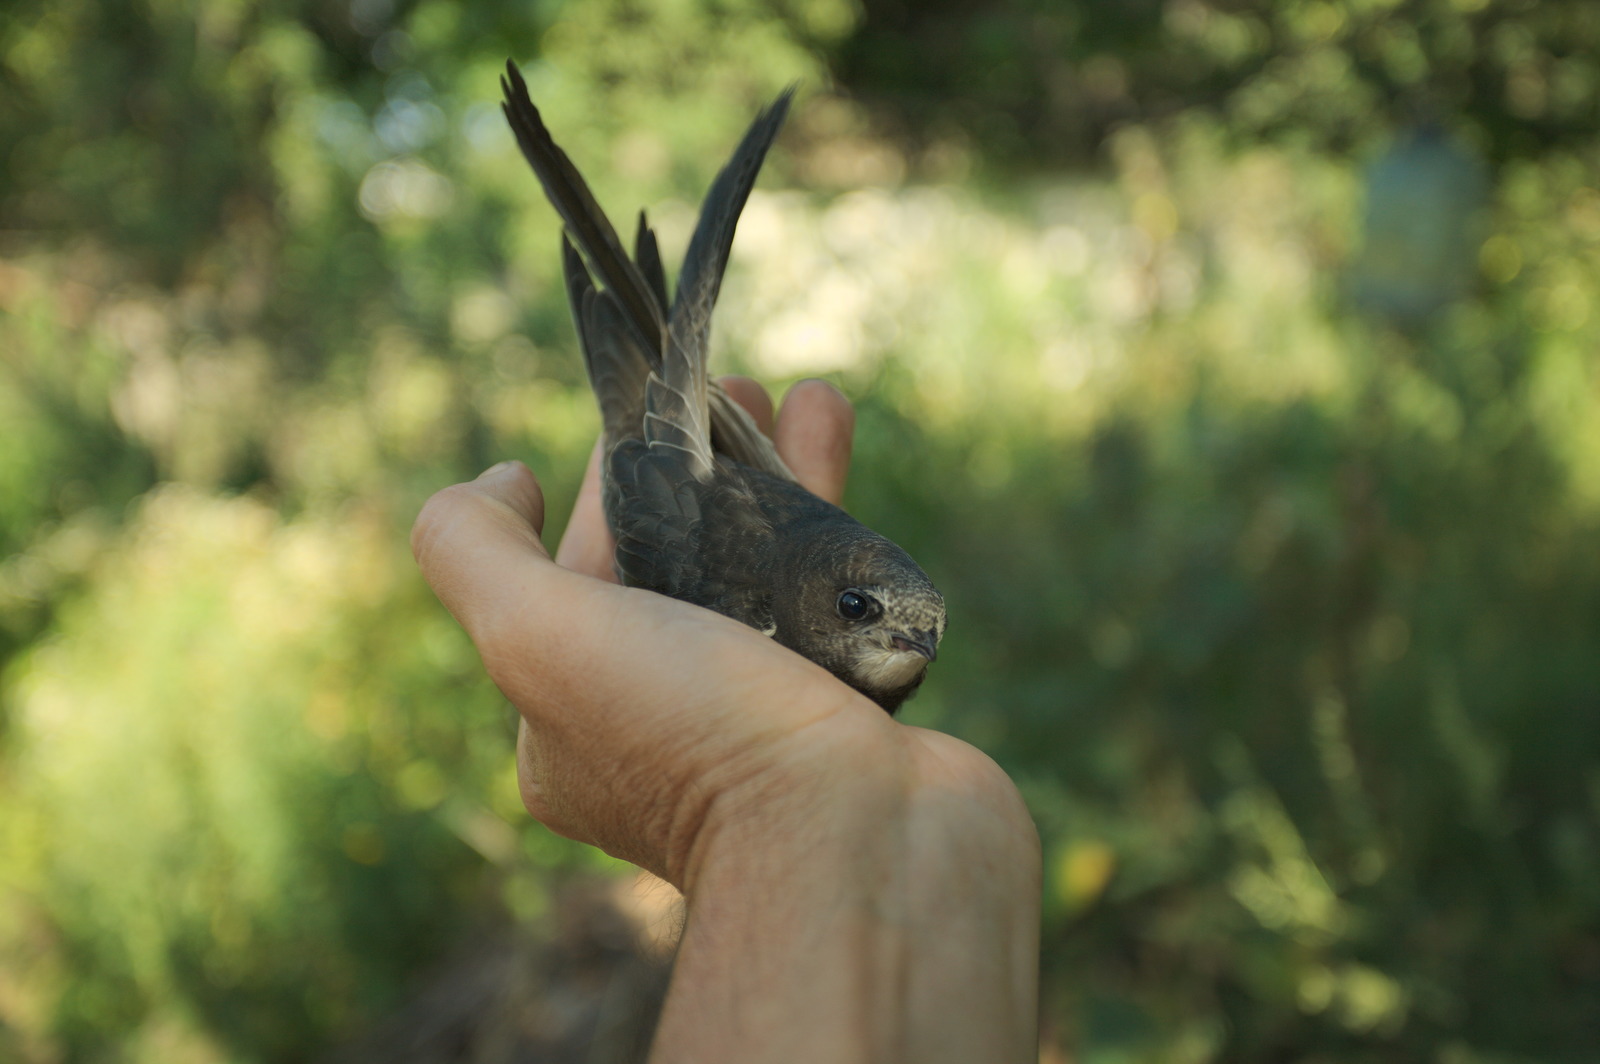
853 605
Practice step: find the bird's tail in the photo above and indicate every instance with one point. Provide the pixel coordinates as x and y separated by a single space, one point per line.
617 366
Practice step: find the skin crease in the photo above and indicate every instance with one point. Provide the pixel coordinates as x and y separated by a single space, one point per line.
857 889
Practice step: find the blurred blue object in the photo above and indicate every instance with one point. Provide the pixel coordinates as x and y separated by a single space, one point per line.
1422 227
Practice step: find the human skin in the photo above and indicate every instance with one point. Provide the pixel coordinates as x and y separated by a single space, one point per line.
856 889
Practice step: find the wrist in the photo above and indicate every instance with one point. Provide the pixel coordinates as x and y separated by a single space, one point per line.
836 793
877 900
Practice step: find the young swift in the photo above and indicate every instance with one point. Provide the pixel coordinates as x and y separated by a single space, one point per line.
702 507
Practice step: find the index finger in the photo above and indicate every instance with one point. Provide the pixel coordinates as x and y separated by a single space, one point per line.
478 547
816 428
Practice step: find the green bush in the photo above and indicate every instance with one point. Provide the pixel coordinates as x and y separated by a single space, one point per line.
1278 596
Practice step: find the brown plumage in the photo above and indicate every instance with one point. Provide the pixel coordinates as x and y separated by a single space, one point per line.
702 507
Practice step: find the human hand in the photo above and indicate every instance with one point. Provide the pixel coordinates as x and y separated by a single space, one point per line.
813 835
635 708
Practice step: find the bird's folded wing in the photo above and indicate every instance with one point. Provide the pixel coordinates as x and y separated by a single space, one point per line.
702 542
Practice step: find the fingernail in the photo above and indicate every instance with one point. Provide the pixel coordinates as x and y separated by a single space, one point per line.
496 469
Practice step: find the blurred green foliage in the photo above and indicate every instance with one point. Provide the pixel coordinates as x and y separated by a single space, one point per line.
1247 418
1041 80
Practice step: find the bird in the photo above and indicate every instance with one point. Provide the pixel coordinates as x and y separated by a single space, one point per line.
702 507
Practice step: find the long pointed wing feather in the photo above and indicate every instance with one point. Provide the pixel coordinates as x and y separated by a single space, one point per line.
590 229
622 329
733 431
707 257
677 403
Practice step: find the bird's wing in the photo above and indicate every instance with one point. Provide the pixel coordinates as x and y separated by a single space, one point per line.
676 416
677 399
668 526
733 431
707 257
686 413
590 229
616 365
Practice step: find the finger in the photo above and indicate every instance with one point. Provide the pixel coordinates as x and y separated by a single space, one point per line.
753 397
816 427
505 496
587 545
478 547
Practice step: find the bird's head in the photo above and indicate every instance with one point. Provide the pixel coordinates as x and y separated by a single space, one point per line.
875 621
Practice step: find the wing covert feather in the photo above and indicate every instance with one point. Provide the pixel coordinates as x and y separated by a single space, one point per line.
666 524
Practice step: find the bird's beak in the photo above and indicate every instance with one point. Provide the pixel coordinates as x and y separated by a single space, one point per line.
919 641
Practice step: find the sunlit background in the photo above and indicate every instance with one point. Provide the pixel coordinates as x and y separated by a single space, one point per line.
1230 364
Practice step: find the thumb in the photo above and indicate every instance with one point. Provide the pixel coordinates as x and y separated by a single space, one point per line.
472 540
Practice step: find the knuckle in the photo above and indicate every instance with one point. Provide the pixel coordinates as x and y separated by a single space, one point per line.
437 515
